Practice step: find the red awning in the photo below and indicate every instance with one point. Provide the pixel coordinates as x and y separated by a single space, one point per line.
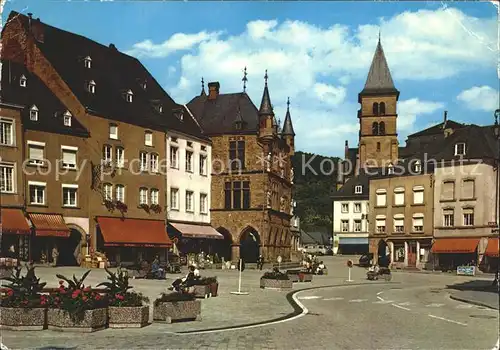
455 245
197 231
492 248
118 232
52 225
14 222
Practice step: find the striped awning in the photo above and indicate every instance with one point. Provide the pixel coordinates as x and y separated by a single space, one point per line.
125 232
197 231
49 225
14 222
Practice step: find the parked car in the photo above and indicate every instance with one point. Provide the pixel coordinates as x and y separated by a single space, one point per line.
365 260
315 249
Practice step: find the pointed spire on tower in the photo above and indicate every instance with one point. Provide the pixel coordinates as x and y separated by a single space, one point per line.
245 79
287 125
203 93
265 105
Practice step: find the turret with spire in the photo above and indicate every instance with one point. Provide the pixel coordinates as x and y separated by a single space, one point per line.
288 134
267 124
203 93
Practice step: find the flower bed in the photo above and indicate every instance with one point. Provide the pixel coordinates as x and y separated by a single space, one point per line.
201 290
275 280
128 317
176 307
305 277
88 320
23 319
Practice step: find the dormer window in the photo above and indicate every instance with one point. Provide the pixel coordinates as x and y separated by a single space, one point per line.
179 114
418 166
160 108
67 118
34 113
460 149
129 96
91 87
23 81
144 85
390 169
358 189
87 62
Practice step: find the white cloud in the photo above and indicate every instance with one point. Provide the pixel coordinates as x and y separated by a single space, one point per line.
409 110
480 98
329 94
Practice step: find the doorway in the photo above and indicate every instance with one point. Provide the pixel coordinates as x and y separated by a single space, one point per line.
250 245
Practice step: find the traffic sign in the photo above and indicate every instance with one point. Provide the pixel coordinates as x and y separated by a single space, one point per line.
349 263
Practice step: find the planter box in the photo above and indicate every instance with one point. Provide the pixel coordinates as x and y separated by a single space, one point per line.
177 311
294 277
128 317
23 319
267 283
93 320
305 277
214 289
202 291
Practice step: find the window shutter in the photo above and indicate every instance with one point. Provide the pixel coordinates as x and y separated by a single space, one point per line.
448 190
380 222
381 199
69 157
36 152
418 222
418 197
468 189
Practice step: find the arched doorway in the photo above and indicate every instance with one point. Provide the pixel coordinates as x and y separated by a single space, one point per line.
223 248
249 245
384 257
70 248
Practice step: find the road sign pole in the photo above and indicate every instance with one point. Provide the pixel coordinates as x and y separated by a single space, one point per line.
239 292
239 280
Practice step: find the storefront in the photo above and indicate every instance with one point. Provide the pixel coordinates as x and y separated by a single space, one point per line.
195 238
50 235
132 240
492 255
454 252
352 245
16 233
414 253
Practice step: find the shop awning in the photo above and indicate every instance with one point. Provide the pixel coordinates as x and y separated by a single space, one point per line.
353 240
118 232
492 248
14 222
455 245
197 231
49 225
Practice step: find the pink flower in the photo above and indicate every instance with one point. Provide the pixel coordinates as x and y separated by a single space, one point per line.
10 292
61 282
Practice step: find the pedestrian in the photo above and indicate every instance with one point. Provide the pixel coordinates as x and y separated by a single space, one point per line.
55 255
260 262
12 252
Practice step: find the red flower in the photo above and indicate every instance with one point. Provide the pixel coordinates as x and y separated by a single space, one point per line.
25 302
87 289
10 292
43 302
98 297
61 282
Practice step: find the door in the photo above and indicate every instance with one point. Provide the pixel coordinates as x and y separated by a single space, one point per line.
412 254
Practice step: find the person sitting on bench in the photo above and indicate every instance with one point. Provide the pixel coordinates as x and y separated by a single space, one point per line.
156 270
188 280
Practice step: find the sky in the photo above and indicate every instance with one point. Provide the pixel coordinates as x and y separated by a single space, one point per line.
442 55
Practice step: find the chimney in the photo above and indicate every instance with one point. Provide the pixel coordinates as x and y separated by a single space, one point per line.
213 90
445 116
346 149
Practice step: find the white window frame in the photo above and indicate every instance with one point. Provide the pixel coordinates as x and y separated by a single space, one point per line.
34 113
143 196
399 223
174 198
418 166
449 217
13 182
203 203
458 147
344 225
357 207
23 81
107 157
153 162
358 189
67 118
357 225
414 227
44 193
113 135
69 186
148 138
155 196
72 150
120 157
8 135
203 164
144 161
468 217
129 96
380 224
189 201
87 62
108 191
189 169
120 193
344 207
36 144
174 157
91 86
399 196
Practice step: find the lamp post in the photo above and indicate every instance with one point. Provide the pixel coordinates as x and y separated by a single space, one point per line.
496 129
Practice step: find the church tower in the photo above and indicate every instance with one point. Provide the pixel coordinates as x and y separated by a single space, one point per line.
378 138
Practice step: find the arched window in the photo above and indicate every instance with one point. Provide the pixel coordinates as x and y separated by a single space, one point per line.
375 108
378 146
382 108
381 128
375 128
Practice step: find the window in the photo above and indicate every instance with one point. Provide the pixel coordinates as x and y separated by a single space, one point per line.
399 196
203 165
246 194
6 132
448 218
381 128
357 225
34 113
7 178
203 148
390 169
375 108
460 149
69 157
120 157
345 207
345 226
399 252
70 194
160 109
189 161
418 195
237 154
469 217
154 162
108 192
174 198
107 153
380 225
237 195
468 189
227 195
358 189
375 128
418 223
143 196
91 87
155 196
382 108
189 144
148 138
144 161
67 118
120 193
203 203
378 146
87 62
418 166
129 96
23 81
173 139
113 132
381 198
189 201
36 152
37 192
448 192
399 223
357 207
173 157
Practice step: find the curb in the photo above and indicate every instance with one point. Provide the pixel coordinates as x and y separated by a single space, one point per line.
473 302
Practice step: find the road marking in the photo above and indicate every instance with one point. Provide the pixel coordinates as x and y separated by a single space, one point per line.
406 303
434 305
401 307
309 297
447 320
380 292
383 302
464 306
357 300
3 347
380 298
336 298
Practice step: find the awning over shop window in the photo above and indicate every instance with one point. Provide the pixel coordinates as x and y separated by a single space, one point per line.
455 245
14 222
197 231
49 225
353 240
118 232
492 248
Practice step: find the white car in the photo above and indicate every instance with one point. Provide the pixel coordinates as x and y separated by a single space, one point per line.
314 249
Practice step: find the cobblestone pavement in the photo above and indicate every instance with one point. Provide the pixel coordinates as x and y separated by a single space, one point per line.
413 311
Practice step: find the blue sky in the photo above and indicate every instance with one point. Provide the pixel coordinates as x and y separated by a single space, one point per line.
441 55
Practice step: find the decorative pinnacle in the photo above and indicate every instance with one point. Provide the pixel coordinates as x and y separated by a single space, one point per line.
245 79
202 87
265 77
379 35
288 103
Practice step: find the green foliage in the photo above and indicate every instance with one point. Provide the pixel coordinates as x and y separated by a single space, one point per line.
117 289
276 274
174 297
24 291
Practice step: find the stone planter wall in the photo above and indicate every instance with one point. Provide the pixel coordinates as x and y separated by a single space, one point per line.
267 283
202 291
294 277
177 310
93 320
128 317
21 319
305 277
214 289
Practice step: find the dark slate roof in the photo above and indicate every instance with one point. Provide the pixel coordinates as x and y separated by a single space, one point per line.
218 116
287 125
317 236
379 77
348 189
438 128
114 73
50 109
266 106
